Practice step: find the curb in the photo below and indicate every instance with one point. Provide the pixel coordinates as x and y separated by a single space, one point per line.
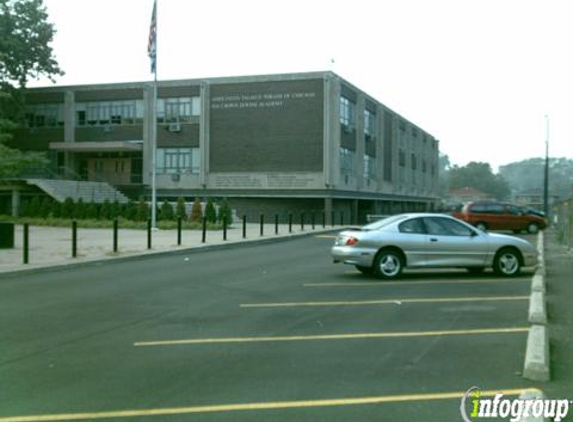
156 254
537 308
536 367
533 394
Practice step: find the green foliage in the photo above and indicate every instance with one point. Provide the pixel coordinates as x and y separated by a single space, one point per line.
68 208
529 175
196 211
106 211
142 210
55 209
92 211
45 207
180 209
210 212
25 52
33 207
166 211
481 177
225 213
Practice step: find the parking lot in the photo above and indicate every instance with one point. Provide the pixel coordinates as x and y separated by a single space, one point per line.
271 332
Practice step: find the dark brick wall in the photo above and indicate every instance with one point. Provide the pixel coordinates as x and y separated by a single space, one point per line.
187 137
116 133
267 126
109 95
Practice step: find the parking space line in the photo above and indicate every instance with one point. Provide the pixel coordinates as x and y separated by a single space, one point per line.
348 336
413 282
397 301
278 405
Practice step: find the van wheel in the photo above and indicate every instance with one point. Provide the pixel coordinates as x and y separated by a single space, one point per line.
388 264
532 228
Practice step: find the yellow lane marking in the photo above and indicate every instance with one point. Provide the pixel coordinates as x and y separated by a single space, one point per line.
398 283
295 404
385 302
335 336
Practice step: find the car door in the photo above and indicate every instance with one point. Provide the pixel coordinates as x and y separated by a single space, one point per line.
451 243
413 241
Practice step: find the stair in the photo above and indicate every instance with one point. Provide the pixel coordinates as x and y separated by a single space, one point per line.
96 192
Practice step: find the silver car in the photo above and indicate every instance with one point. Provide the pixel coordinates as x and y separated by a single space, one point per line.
425 240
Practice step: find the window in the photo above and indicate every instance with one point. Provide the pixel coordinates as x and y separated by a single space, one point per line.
347 162
369 123
177 110
401 158
440 226
104 113
414 162
45 115
178 160
414 226
347 113
369 168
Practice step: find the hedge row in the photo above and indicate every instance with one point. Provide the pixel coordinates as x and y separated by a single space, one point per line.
47 207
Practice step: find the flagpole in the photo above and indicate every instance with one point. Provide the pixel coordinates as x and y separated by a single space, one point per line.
154 135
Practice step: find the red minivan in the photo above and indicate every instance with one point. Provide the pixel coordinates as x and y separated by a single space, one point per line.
487 215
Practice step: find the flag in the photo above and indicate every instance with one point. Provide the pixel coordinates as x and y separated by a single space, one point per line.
152 44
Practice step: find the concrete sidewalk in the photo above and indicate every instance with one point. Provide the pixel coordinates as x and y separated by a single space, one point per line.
559 280
52 246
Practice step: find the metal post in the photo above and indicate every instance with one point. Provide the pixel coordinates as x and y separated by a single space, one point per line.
74 239
290 223
115 236
224 228
26 243
301 222
204 235
276 224
149 233
262 224
179 223
312 218
244 226
332 219
324 220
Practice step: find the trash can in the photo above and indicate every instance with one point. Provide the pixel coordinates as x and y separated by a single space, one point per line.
6 235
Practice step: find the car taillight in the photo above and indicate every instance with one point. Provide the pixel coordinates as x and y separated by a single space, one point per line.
351 241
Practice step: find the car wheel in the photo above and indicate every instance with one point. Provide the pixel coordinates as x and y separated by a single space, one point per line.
507 262
364 270
532 228
481 226
476 270
388 264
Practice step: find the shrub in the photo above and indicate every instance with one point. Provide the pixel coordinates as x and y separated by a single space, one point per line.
196 211
33 207
142 210
68 208
180 209
225 213
210 213
166 211
80 209
45 207
92 211
105 211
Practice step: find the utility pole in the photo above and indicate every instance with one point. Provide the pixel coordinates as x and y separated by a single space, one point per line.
546 175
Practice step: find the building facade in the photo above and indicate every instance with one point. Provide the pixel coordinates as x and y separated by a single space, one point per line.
272 144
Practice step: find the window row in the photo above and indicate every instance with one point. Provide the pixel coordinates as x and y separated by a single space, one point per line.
178 160
45 115
104 113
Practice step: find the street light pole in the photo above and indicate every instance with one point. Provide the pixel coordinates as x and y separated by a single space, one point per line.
546 175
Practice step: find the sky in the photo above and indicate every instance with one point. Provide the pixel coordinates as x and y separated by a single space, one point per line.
491 79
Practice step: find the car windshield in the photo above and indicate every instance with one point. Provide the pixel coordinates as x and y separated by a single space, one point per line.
377 225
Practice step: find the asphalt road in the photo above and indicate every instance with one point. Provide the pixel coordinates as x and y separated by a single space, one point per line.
260 333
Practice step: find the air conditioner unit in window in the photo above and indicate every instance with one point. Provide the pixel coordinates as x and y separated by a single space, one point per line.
174 127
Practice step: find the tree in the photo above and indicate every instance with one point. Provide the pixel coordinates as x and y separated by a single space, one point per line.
180 211
166 211
196 211
210 212
25 52
479 176
225 213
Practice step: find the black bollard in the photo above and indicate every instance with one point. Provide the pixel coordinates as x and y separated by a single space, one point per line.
179 224
115 235
74 239
26 243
